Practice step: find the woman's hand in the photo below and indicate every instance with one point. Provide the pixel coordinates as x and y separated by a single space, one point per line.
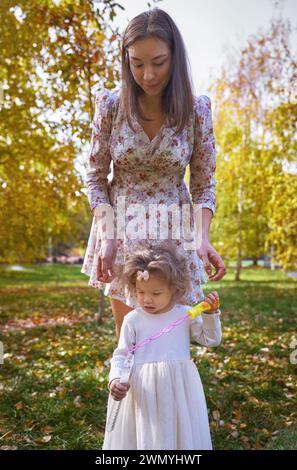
210 257
118 391
107 254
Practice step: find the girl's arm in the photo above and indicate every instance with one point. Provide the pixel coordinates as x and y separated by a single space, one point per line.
206 329
127 339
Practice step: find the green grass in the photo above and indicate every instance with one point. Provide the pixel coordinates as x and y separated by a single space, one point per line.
53 389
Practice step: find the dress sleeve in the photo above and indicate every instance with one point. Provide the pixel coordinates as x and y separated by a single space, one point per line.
99 156
203 159
206 329
127 339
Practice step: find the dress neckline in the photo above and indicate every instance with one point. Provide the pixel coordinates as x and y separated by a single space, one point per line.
145 134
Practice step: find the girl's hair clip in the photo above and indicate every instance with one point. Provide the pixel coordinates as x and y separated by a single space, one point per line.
143 275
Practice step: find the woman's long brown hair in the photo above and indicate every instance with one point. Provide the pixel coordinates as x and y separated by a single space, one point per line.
177 99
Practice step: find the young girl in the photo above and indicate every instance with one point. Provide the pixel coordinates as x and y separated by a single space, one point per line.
163 405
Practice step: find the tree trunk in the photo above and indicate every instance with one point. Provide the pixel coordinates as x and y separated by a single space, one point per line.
238 263
272 259
239 238
50 248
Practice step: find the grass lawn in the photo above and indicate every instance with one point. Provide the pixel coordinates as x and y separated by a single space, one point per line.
53 389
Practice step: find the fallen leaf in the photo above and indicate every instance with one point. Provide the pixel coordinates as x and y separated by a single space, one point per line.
8 448
44 439
47 430
216 415
19 405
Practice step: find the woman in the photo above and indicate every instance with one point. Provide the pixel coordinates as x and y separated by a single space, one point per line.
150 129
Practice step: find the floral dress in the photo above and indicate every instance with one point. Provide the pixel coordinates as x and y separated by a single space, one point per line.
149 174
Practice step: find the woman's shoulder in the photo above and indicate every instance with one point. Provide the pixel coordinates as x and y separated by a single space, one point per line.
107 99
202 104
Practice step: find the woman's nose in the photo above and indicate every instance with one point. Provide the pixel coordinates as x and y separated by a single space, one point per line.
148 75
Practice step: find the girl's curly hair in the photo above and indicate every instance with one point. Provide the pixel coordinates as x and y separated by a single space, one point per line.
161 260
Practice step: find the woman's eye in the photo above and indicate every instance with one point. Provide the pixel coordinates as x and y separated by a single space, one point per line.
157 294
158 65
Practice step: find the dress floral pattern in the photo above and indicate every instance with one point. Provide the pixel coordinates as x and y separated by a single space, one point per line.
148 173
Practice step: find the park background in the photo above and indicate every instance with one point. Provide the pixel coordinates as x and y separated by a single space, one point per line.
56 332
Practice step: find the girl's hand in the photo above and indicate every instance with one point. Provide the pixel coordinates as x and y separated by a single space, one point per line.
210 256
212 299
106 259
117 390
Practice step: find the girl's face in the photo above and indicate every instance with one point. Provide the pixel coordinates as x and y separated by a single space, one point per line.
150 62
154 295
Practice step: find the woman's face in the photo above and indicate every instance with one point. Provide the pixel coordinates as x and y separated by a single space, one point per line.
150 64
154 295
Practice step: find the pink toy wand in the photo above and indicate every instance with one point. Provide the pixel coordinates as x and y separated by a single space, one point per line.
129 360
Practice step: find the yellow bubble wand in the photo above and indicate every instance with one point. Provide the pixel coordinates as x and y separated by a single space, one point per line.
202 307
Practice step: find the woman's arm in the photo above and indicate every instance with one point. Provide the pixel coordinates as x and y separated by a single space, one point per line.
98 166
202 186
99 157
203 159
203 218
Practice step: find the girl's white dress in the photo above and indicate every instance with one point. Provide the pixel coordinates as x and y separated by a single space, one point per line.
165 407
